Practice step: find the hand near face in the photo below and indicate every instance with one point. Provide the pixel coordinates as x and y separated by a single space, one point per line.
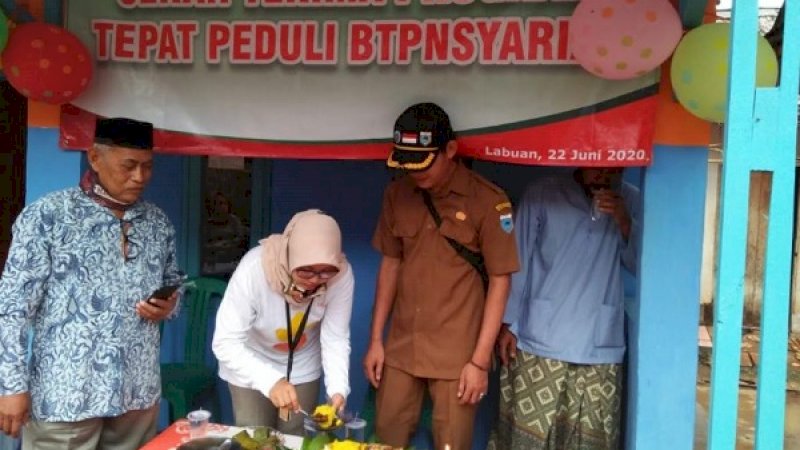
608 201
611 203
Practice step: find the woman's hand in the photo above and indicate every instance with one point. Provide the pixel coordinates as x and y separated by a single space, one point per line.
338 402
284 395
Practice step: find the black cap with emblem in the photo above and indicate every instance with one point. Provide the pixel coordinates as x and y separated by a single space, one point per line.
122 132
420 131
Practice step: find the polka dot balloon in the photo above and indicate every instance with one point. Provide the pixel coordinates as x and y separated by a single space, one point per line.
47 63
699 71
623 39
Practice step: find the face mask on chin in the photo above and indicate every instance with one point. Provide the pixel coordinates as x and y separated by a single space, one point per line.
305 294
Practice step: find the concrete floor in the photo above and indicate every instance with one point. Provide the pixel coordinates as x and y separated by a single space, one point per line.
745 434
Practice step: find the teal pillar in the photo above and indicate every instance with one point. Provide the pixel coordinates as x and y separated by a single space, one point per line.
663 320
760 135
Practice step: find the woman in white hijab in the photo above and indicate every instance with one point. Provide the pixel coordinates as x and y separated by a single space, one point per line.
284 319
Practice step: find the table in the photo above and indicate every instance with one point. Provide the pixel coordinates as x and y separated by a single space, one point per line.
178 433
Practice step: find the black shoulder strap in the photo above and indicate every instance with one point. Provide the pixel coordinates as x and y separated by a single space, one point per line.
294 341
472 257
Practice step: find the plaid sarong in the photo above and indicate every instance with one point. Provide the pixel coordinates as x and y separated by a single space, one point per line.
547 404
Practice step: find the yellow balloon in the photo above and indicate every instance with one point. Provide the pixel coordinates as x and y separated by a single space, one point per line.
699 70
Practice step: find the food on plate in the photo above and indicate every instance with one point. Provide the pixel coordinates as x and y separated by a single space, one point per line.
346 445
262 439
324 441
353 445
326 418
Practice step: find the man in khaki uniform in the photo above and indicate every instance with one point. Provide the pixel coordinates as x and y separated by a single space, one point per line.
444 320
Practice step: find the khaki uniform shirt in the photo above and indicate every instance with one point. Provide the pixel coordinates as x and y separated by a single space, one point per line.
438 308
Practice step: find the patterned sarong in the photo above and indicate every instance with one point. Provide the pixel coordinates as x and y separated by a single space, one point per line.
547 404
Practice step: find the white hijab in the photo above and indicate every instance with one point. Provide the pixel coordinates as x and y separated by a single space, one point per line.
311 237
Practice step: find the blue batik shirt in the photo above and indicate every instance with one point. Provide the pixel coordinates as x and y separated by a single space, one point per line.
66 276
567 300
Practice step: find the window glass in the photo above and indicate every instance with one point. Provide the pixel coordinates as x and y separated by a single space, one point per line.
226 218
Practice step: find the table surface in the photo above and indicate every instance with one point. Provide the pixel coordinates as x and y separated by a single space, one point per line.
178 433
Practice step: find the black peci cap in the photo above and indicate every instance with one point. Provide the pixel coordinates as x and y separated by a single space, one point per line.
122 132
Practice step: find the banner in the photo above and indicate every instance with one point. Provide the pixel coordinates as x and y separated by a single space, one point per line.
325 79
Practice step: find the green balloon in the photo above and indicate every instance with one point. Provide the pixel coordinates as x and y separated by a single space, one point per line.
3 30
699 71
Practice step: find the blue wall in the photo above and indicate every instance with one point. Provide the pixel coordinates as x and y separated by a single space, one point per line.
48 168
167 190
663 323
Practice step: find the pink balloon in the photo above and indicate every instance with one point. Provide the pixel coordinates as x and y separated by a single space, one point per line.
620 39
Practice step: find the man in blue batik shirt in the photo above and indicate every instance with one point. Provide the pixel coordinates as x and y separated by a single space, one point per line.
563 338
81 269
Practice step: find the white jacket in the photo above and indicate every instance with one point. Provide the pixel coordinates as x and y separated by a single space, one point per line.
250 340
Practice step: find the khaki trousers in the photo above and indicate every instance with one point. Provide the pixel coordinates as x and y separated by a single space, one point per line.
252 408
129 431
399 403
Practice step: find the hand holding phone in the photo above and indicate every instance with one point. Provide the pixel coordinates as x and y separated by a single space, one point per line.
163 293
160 304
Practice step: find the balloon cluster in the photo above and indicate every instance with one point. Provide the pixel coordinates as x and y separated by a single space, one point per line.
44 62
623 39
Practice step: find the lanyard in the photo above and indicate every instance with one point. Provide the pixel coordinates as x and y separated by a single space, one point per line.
295 340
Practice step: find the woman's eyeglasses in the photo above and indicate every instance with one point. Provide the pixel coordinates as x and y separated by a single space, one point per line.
308 274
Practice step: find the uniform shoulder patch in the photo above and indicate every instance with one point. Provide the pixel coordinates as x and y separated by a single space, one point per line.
507 222
501 206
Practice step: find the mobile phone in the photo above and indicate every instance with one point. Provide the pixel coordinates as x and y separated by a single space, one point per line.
164 292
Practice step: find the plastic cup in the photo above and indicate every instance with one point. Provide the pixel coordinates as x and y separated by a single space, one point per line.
614 188
355 430
596 214
198 423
